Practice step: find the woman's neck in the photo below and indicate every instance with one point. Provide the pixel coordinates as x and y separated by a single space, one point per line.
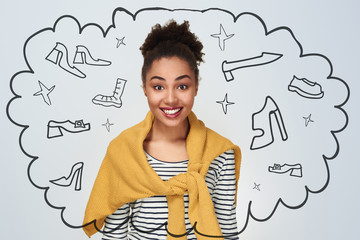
161 132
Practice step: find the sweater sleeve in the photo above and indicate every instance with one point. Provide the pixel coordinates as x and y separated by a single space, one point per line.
116 224
223 191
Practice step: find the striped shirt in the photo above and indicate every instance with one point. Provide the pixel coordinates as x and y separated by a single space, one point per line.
148 215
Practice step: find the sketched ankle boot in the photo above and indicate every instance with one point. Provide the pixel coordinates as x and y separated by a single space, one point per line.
262 121
115 99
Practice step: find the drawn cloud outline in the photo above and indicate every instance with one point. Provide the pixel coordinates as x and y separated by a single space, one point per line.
134 15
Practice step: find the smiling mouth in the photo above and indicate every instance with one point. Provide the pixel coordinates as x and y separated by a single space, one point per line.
171 111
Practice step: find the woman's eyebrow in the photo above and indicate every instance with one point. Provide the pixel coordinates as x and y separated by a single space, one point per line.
176 79
157 77
182 77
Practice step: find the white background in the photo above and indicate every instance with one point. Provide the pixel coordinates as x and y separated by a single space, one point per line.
330 28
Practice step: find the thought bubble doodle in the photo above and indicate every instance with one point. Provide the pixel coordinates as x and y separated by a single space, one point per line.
259 68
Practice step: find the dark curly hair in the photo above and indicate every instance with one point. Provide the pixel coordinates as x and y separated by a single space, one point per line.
171 40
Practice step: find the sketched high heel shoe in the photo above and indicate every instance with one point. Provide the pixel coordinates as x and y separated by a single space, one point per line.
83 55
76 170
263 119
54 128
59 56
115 99
295 170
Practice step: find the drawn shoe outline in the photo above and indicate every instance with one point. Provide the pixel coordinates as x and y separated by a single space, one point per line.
76 170
83 56
59 56
295 169
113 100
264 58
54 128
306 88
264 116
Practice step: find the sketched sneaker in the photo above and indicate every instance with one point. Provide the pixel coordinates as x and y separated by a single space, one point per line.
306 88
55 129
115 99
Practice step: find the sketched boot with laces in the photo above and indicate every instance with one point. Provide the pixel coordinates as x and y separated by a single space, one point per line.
115 99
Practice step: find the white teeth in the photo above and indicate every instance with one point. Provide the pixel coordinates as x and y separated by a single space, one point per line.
172 111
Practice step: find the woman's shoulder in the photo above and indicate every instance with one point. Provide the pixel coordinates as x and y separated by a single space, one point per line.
226 157
133 133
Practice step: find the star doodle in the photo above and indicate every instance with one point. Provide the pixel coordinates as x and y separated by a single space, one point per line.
107 125
44 92
225 103
120 41
257 186
308 120
222 36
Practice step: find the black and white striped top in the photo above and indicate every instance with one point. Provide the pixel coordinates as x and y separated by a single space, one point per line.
150 214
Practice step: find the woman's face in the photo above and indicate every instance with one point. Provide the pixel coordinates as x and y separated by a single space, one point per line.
170 88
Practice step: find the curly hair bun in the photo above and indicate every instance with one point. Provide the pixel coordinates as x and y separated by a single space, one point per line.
175 33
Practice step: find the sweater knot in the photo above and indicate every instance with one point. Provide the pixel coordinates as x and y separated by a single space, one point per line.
181 183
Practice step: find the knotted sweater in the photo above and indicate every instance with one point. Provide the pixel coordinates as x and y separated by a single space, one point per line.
125 176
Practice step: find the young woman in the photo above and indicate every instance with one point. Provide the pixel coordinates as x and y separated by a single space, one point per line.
168 177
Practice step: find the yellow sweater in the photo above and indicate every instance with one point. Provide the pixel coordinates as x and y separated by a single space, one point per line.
125 176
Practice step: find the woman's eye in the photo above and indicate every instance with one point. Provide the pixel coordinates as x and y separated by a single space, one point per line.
182 87
158 87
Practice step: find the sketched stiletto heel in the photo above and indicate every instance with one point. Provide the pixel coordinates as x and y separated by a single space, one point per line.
59 56
83 56
76 170
263 119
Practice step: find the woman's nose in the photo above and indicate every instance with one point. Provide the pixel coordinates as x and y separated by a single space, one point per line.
171 97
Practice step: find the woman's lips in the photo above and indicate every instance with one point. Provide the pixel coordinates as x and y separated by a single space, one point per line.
171 112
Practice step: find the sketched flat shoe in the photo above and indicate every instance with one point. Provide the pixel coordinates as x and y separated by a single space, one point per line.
306 88
83 55
264 58
115 99
54 128
262 121
59 56
295 170
75 173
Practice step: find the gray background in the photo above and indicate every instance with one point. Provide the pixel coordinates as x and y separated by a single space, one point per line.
326 27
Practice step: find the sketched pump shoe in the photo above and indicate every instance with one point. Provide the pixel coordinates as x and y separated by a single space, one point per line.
59 56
